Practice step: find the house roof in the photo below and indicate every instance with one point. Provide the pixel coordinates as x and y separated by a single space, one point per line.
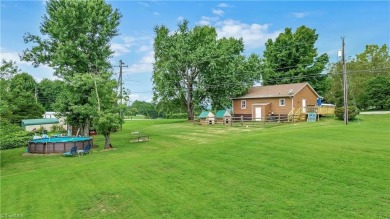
221 113
26 122
280 90
205 114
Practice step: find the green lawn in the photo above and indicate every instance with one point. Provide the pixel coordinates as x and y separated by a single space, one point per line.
302 170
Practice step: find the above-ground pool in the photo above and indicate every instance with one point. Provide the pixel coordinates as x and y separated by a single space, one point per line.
57 144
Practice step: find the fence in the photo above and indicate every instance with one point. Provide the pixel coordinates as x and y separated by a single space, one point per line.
242 121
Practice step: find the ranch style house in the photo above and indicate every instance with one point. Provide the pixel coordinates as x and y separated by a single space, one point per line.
285 99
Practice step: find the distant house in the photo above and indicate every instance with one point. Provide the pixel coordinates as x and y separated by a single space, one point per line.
206 118
223 116
49 115
263 101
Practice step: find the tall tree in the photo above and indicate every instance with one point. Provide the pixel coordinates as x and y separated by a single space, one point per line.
293 58
25 82
77 42
377 93
78 35
372 63
195 67
48 92
8 69
17 95
144 108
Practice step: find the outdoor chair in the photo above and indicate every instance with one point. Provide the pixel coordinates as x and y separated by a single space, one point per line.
87 149
72 152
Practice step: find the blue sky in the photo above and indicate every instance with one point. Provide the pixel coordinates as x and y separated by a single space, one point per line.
360 22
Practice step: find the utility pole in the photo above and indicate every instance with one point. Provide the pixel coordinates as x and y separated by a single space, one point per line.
345 85
120 84
36 94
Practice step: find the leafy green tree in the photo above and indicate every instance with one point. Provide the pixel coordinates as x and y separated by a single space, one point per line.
77 45
48 92
377 93
78 35
195 67
373 62
24 82
17 95
23 105
145 108
8 69
293 58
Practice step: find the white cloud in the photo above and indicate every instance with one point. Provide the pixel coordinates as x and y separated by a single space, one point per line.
133 97
218 12
128 39
223 5
207 20
143 48
254 35
120 49
156 13
124 46
39 73
144 4
180 18
144 65
299 14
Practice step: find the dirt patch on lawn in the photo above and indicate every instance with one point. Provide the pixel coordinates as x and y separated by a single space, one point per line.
36 154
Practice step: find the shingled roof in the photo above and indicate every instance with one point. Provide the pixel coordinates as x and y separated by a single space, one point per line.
280 90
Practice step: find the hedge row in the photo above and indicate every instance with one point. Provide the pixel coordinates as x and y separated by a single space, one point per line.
13 136
176 116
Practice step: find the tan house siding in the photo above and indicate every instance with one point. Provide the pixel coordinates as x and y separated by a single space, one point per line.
270 105
273 106
307 94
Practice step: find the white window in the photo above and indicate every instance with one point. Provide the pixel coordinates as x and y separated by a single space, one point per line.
282 102
243 104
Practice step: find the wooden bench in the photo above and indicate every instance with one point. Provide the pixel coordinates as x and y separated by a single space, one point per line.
138 137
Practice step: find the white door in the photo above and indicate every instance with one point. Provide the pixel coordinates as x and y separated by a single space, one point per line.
304 105
258 113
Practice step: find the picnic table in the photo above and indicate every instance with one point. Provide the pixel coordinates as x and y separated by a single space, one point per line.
138 137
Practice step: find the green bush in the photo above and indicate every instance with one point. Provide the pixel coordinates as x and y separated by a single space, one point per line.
352 112
13 136
57 128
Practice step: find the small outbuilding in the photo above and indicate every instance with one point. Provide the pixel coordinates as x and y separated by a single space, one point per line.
223 117
207 118
31 124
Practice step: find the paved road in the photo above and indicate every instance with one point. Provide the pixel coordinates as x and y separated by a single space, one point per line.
376 112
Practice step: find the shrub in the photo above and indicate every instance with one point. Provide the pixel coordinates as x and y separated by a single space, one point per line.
13 136
176 116
57 128
352 112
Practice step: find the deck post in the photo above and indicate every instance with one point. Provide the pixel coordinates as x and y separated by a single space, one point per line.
242 120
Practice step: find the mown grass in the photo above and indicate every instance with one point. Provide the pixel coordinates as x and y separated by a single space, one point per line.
302 170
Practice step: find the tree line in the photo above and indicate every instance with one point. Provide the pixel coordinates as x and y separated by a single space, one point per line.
194 69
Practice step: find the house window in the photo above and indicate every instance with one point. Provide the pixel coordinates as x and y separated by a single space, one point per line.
282 102
243 104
